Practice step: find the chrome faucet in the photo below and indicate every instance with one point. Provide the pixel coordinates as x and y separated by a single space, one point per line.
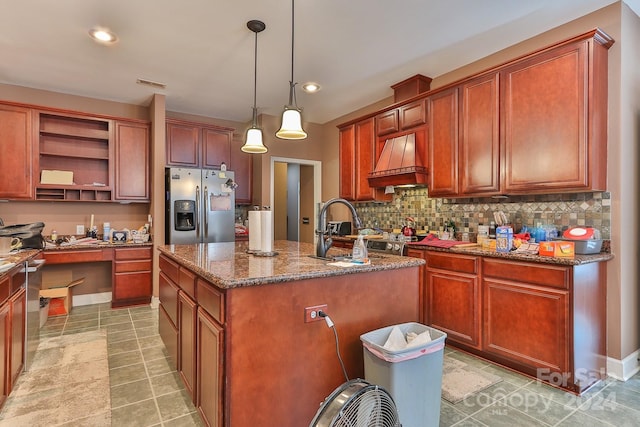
324 238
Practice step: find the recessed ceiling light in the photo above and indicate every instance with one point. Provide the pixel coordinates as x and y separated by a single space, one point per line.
311 87
103 35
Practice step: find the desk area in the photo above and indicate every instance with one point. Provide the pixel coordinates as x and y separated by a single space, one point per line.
131 267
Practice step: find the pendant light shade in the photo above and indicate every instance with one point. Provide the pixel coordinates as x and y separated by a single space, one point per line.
291 127
253 142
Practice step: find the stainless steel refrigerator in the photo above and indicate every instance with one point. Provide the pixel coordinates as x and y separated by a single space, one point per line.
199 206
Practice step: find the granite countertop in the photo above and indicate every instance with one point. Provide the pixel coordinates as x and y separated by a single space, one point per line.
228 265
577 260
100 245
15 258
513 256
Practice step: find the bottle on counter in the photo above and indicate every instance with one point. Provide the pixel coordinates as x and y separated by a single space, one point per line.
54 235
106 236
359 250
492 230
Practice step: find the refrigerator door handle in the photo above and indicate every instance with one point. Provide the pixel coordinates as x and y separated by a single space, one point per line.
205 214
197 211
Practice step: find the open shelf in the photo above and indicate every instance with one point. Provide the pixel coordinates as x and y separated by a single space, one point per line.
73 193
81 145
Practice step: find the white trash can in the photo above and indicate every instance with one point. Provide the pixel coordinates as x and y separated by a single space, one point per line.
413 376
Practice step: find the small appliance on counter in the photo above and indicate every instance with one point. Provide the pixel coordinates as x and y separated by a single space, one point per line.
339 228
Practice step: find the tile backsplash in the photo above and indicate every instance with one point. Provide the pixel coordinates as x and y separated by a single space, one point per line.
559 210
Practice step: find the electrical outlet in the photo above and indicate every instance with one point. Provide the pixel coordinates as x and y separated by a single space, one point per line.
80 229
311 313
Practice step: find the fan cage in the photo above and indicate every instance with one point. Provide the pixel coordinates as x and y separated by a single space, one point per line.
372 406
357 403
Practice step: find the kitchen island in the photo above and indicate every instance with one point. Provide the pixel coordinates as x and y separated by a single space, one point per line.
239 329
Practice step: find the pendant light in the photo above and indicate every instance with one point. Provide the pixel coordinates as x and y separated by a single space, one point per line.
291 127
253 143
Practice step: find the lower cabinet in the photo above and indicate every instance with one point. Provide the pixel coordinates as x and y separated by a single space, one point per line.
18 303
452 299
544 320
12 332
5 321
210 359
187 310
132 281
193 332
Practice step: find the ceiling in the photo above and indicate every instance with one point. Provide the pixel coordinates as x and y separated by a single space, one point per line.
204 53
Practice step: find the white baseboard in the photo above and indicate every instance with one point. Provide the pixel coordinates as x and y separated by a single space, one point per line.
155 302
624 369
89 299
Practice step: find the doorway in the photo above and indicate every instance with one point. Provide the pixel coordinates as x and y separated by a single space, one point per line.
295 196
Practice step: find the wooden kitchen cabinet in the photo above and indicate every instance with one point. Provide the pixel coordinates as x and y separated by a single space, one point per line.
210 374
422 290
5 336
132 160
18 304
12 329
79 144
387 122
191 144
16 145
357 160
548 321
554 118
479 137
453 297
191 325
242 164
187 310
413 114
443 143
132 270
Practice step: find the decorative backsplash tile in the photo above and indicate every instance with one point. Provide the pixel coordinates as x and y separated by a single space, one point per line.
559 210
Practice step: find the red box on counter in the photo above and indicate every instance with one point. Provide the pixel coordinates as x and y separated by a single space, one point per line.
561 249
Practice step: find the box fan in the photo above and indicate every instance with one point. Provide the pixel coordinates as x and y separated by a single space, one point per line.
357 403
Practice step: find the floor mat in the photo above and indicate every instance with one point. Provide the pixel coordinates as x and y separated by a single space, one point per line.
460 380
68 382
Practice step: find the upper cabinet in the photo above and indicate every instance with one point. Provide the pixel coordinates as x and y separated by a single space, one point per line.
479 137
357 160
554 119
443 143
242 164
57 155
16 145
197 145
537 125
132 174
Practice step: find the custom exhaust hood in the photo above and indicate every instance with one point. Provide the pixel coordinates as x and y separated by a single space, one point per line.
401 163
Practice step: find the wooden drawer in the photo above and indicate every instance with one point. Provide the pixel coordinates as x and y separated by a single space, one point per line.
169 267
128 266
168 295
458 263
85 255
187 282
133 253
211 300
539 274
128 286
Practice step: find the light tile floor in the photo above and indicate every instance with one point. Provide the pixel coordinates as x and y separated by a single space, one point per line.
146 391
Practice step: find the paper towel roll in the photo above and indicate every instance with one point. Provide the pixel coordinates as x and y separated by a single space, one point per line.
266 239
255 233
